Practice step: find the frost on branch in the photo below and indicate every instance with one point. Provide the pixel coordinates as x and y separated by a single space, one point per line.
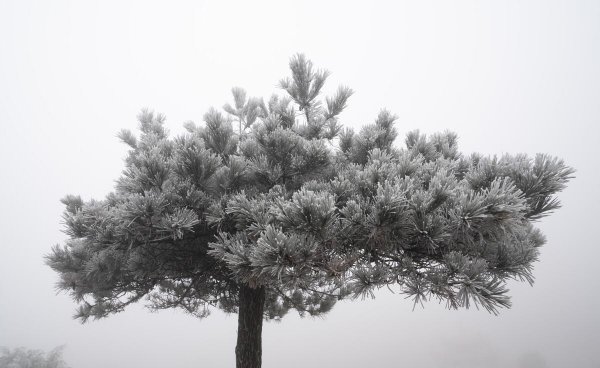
279 195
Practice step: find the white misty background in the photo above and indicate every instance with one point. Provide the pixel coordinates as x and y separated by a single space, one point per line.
506 76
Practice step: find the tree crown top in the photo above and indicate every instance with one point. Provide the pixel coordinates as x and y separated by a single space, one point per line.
278 195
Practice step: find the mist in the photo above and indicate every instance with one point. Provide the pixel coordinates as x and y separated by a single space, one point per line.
507 77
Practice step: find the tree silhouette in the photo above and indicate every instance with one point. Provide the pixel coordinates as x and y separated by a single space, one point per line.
290 211
28 358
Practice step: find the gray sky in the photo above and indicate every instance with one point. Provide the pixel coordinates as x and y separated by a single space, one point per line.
507 76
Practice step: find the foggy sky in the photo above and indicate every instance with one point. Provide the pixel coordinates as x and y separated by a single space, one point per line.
506 76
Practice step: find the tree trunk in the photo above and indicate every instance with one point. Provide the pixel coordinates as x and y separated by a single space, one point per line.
248 351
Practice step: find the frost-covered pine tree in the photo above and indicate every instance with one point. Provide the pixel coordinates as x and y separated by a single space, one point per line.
273 206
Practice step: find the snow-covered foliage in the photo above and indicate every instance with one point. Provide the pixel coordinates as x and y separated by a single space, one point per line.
278 195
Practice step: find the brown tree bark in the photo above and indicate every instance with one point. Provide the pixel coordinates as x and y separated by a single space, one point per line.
248 351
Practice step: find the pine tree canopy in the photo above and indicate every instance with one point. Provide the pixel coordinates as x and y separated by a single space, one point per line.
278 195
